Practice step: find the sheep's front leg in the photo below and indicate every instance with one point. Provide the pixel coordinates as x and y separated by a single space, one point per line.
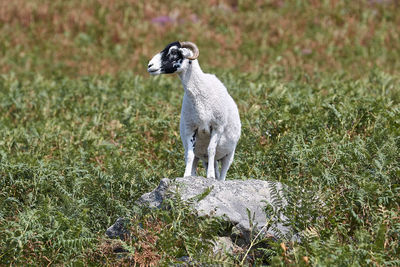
191 163
211 150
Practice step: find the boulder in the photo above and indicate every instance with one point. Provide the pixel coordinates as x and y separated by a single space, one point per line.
117 230
242 203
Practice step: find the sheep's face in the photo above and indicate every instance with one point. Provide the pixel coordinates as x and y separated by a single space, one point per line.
170 60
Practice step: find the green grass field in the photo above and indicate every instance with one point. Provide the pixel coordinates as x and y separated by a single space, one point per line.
84 131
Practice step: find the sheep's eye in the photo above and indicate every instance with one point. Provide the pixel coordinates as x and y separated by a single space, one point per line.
174 52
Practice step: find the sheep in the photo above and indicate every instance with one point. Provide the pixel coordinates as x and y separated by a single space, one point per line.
210 124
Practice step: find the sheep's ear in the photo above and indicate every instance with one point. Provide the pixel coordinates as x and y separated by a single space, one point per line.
185 52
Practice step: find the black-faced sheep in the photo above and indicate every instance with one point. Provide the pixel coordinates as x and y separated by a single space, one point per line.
210 123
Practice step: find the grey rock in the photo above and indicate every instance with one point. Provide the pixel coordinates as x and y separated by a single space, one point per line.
117 230
234 200
155 198
185 261
225 245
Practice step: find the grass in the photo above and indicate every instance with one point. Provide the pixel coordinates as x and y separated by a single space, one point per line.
83 132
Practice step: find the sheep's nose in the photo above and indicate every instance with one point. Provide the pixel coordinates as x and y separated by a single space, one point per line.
149 66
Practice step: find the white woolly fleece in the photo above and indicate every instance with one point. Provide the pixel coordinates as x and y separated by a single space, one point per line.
207 107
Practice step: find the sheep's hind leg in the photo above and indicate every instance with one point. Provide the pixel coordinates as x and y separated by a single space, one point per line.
226 163
212 147
194 166
189 154
216 167
205 165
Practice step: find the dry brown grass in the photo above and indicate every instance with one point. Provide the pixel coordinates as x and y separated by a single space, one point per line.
142 242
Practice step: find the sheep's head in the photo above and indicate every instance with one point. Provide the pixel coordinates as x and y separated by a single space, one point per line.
174 58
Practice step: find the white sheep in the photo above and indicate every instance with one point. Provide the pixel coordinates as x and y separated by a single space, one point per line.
210 123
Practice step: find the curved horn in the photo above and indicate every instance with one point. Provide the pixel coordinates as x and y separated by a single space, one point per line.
192 47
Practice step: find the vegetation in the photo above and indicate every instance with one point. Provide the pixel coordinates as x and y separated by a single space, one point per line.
83 132
112 36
